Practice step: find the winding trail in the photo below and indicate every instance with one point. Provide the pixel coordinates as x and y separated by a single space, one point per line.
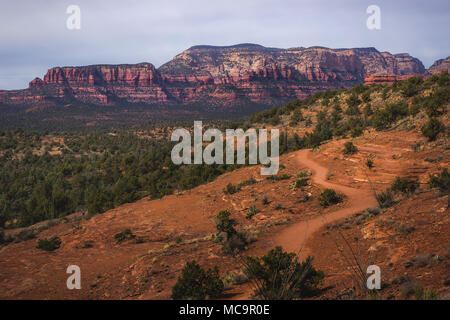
294 238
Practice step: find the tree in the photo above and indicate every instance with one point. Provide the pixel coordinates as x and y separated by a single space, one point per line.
224 223
279 276
349 148
235 241
49 244
296 117
432 128
197 284
353 101
411 86
391 113
404 185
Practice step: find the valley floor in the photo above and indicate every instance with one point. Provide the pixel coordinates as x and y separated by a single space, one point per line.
410 241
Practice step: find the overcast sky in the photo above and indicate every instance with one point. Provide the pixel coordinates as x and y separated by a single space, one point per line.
34 36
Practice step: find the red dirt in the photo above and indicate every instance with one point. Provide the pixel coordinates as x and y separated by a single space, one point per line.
295 236
148 270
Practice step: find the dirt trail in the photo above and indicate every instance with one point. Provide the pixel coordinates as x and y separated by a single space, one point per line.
295 237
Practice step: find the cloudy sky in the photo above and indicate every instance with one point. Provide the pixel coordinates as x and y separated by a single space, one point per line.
34 36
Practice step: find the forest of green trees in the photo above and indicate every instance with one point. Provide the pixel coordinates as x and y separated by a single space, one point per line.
93 172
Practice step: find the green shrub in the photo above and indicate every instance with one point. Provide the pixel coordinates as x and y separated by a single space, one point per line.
411 86
49 244
231 189
356 132
247 182
235 243
435 104
329 197
251 212
385 93
385 198
366 97
404 185
297 116
391 113
369 163
441 181
308 122
353 102
414 109
265 201
352 111
224 223
432 128
279 276
303 174
197 284
381 119
124 235
349 148
273 120
368 110
359 88
303 182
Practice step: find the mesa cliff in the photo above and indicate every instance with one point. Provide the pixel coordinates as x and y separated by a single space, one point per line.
214 76
441 65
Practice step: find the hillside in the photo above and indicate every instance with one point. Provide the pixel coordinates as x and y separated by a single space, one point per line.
392 210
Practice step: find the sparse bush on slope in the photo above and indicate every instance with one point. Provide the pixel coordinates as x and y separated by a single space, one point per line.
441 181
432 128
279 276
404 185
349 148
385 198
49 244
329 197
391 113
235 241
196 283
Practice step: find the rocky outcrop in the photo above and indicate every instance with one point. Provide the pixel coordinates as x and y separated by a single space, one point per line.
389 79
215 76
442 65
380 79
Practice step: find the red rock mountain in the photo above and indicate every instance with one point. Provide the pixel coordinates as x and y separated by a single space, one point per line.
215 76
440 66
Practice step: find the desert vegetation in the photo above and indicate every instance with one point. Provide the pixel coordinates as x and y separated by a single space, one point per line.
279 276
49 244
50 176
196 283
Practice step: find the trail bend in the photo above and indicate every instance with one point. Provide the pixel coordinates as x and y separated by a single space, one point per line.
294 238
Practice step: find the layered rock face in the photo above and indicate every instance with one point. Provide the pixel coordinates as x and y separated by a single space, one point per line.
389 79
98 84
218 76
442 65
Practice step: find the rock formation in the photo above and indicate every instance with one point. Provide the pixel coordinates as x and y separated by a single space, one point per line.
215 76
441 65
